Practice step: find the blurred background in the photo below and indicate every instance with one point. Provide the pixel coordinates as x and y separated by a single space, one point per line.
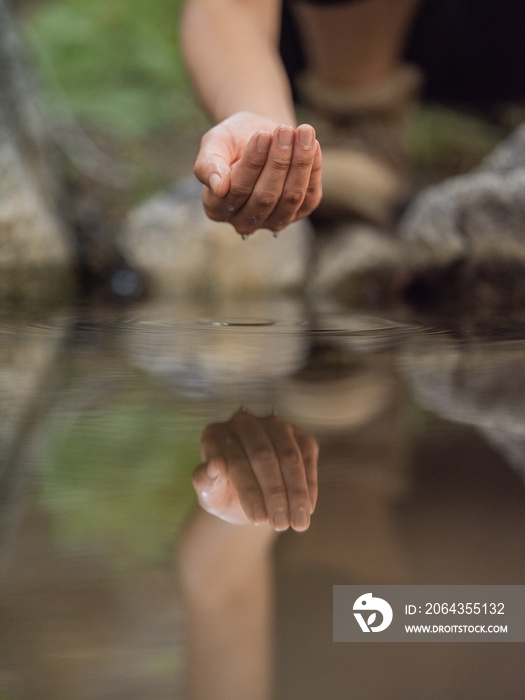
111 72
113 69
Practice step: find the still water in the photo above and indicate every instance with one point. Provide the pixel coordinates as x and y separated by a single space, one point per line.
115 584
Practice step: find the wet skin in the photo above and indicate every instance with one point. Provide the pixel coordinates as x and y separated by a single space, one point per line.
259 174
258 470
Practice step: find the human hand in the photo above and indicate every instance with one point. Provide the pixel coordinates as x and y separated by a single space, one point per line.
257 470
258 173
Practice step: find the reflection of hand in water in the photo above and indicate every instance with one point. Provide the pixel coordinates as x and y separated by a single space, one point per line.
258 470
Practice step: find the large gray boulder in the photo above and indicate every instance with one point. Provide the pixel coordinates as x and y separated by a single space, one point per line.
357 263
181 252
474 223
460 242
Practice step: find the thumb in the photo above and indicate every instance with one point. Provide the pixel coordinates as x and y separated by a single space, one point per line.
214 171
219 183
208 479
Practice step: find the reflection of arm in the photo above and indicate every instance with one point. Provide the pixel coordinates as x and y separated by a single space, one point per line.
225 575
230 48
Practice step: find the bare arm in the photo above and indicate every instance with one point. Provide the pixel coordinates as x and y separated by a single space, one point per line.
258 170
225 576
230 49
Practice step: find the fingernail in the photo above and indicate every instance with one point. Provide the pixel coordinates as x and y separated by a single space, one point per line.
285 136
215 182
212 470
306 136
263 141
280 519
300 519
259 515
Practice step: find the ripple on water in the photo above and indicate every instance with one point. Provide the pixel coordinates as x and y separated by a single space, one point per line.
361 331
237 322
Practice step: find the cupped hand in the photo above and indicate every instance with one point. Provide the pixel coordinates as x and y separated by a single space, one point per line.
257 470
258 173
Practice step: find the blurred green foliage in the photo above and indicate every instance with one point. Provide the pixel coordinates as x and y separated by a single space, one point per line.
114 63
117 478
449 141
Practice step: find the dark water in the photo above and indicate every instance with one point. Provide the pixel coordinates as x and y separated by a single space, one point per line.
114 584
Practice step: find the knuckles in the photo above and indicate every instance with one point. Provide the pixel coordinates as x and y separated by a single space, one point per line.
293 198
281 165
290 458
264 199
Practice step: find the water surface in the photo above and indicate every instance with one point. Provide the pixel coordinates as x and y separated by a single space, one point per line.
107 588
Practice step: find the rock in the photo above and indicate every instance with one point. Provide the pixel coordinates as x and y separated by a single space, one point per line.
473 215
35 253
465 238
29 351
181 252
357 263
509 155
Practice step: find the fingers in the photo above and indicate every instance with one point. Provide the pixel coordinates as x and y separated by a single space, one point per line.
275 180
298 182
276 461
207 481
292 471
267 190
212 166
247 170
310 454
264 465
283 182
270 466
219 441
314 191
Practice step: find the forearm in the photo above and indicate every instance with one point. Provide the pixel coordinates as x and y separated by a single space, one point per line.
225 574
230 49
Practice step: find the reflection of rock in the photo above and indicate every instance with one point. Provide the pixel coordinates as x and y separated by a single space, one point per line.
35 256
170 239
349 400
26 357
233 349
480 384
342 401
